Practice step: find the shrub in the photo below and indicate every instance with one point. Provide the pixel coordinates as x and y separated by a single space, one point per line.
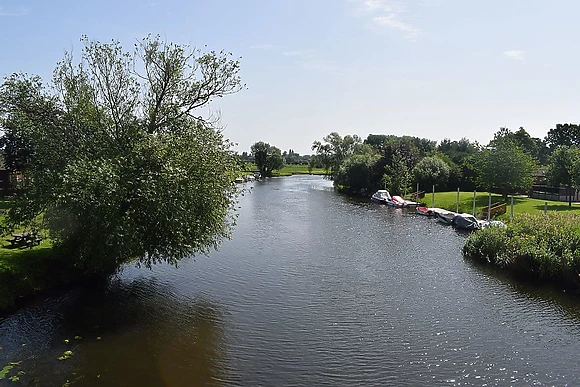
543 247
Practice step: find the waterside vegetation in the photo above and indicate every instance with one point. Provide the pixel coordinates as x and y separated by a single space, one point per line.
539 247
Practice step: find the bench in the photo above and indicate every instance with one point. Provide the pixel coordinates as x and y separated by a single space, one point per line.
420 194
25 239
495 209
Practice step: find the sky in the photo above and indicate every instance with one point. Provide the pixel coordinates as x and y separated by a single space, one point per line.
428 68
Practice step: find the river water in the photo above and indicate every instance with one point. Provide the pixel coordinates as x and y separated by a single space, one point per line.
314 289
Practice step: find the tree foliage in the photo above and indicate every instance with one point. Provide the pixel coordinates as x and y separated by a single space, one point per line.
333 150
115 157
396 177
535 147
268 158
356 172
430 171
504 166
563 134
564 167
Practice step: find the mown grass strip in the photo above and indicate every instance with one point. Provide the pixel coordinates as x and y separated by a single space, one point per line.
522 204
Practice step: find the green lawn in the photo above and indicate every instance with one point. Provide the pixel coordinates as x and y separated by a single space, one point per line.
300 169
28 271
289 170
448 200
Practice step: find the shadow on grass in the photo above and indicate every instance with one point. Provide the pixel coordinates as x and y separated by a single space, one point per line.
557 207
27 272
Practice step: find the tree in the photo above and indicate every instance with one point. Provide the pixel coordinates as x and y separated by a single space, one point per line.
268 158
420 146
536 147
117 160
563 134
459 156
505 167
334 151
458 151
356 172
396 175
563 168
292 157
431 170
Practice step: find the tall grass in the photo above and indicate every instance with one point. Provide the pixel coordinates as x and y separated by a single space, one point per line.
545 247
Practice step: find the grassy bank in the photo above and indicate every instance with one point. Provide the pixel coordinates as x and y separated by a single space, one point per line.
27 272
522 205
540 247
290 169
300 169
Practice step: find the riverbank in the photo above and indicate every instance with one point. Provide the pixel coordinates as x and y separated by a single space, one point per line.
533 246
522 204
28 272
25 273
291 169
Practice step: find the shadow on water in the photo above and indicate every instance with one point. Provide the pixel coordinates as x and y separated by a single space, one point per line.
138 333
565 302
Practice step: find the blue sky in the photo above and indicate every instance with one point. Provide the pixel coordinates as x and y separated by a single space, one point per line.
428 68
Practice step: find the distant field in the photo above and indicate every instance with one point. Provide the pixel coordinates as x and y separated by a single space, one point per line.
297 170
291 169
447 200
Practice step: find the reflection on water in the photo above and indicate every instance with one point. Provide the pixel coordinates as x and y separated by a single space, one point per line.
121 333
315 288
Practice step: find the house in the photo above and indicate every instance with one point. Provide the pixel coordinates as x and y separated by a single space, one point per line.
8 179
542 189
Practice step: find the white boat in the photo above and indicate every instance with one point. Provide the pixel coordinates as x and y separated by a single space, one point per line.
382 196
397 201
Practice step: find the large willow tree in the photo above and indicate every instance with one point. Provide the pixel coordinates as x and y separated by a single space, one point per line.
115 156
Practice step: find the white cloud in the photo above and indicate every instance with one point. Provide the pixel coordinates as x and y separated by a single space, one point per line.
387 14
391 21
515 54
21 11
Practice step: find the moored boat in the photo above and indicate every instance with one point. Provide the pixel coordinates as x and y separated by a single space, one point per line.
425 211
465 222
382 196
444 216
397 201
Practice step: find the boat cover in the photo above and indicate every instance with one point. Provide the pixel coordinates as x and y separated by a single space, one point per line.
422 210
398 200
465 221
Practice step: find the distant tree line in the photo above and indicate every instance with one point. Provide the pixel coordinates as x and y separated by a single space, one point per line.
290 157
505 165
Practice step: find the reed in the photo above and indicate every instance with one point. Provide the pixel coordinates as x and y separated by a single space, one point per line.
542 247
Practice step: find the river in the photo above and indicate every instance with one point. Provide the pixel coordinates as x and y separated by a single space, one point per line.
314 289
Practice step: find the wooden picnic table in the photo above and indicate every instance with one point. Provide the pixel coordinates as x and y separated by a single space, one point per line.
29 238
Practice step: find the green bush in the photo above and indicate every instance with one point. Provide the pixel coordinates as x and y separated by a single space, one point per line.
545 247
